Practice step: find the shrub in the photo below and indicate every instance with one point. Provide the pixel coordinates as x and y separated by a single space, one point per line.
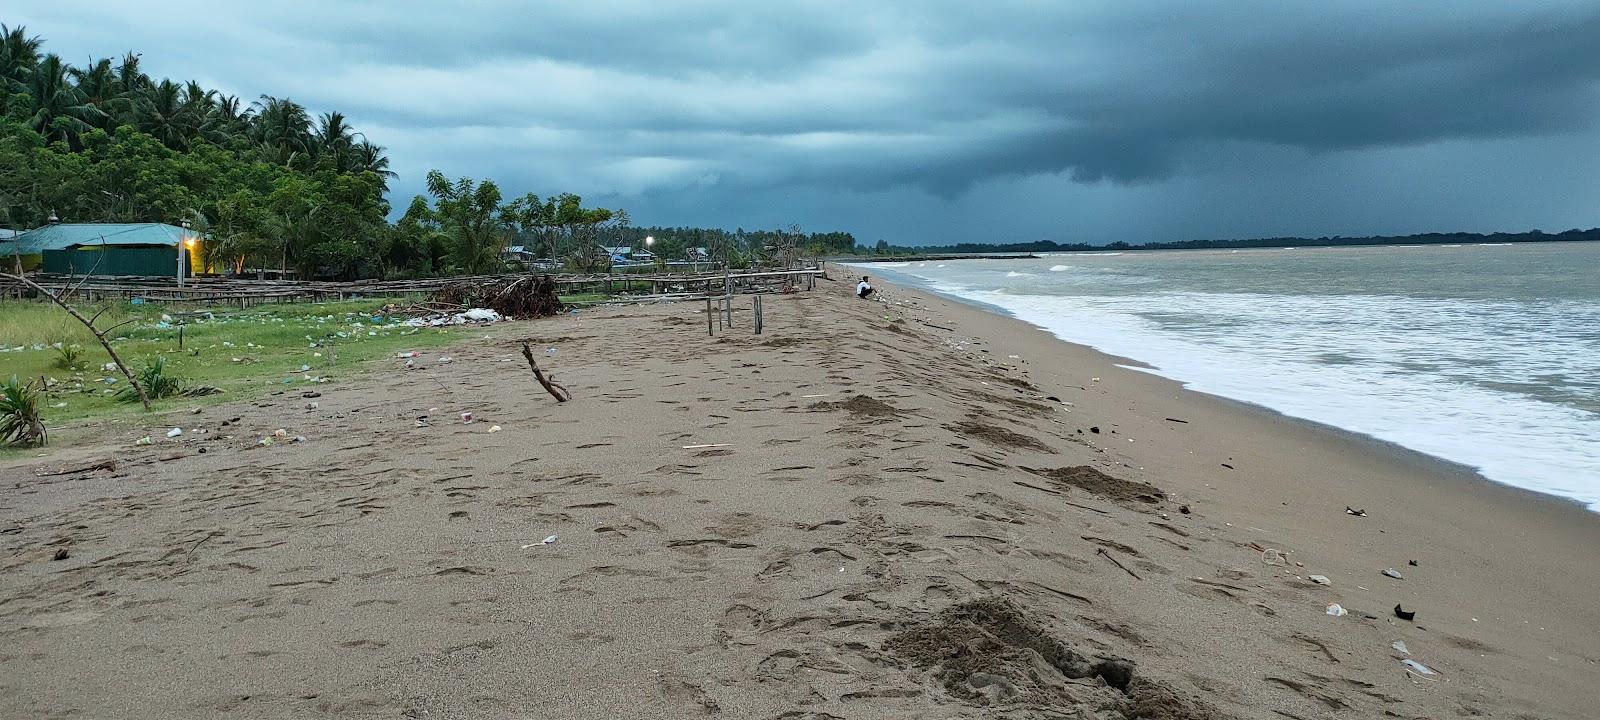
157 382
69 357
20 423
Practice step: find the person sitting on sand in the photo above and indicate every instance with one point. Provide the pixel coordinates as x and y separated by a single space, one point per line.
863 288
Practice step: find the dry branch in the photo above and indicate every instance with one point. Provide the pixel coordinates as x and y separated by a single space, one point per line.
559 393
98 334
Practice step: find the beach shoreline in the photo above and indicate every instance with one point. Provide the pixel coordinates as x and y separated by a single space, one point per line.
771 527
1395 451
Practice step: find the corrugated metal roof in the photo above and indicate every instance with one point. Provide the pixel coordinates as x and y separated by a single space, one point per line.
66 235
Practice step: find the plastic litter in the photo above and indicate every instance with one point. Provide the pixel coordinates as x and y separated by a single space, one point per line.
1400 647
410 354
494 428
143 441
1352 511
1403 615
1320 579
1272 556
466 417
1391 572
547 541
174 432
1337 610
280 433
1418 667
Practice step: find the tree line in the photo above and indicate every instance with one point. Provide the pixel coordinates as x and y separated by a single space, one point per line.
270 185
1046 246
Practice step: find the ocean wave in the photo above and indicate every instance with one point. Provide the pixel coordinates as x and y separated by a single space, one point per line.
1059 268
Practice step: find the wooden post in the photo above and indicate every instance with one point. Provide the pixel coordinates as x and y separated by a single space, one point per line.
709 331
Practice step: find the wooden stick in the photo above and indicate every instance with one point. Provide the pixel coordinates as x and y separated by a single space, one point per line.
1102 551
556 391
98 335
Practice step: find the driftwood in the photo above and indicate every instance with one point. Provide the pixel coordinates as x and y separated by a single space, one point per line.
101 465
1102 551
88 323
556 391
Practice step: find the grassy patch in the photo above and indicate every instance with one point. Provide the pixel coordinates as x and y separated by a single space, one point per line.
243 352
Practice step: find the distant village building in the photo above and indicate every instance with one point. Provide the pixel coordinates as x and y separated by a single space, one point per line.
104 249
629 254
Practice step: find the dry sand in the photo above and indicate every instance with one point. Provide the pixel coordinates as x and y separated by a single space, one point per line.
890 520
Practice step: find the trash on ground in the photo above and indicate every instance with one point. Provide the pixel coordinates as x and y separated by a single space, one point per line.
1400 647
1419 667
408 354
444 359
1272 556
1412 563
711 445
1403 615
547 541
1320 579
494 428
1352 511
280 433
1391 572
1337 610
466 417
174 432
143 441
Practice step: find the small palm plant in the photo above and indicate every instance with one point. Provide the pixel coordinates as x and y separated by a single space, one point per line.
69 357
20 423
157 382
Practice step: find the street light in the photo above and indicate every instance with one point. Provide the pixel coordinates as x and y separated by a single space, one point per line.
185 240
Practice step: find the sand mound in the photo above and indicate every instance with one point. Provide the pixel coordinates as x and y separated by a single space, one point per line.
997 436
860 405
989 652
1083 477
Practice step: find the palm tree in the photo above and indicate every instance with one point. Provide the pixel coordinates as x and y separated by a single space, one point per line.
333 139
98 83
282 128
61 112
162 114
233 118
200 114
18 55
369 157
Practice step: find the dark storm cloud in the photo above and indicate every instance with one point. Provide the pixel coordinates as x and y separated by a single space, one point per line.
699 104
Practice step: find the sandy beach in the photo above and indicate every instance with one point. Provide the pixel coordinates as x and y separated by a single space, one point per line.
897 508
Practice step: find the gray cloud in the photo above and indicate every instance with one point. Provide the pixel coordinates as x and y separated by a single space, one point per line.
1093 114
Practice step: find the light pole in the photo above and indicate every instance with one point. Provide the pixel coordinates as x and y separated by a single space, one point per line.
182 247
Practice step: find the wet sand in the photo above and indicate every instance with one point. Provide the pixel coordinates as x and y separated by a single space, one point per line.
872 510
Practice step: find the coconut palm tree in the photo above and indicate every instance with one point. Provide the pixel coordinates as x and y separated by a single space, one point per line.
19 53
61 111
162 114
98 83
369 157
282 128
333 140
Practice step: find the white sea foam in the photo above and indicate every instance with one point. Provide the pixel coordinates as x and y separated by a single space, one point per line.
1421 373
1059 268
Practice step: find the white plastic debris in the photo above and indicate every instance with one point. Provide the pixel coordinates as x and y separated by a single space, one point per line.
547 541
1337 610
1400 647
143 441
494 428
444 359
174 432
408 354
280 433
477 315
1391 572
1270 556
466 417
1320 579
1419 668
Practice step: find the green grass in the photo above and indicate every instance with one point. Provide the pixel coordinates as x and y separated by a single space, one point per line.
244 352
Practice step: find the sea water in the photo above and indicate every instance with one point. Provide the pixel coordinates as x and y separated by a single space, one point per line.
1481 354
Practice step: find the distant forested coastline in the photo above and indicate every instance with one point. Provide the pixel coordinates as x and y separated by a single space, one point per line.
1532 236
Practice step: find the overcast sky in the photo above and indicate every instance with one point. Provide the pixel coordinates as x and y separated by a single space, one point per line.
931 121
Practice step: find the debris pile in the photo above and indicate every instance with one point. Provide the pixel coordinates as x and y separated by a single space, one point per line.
526 296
